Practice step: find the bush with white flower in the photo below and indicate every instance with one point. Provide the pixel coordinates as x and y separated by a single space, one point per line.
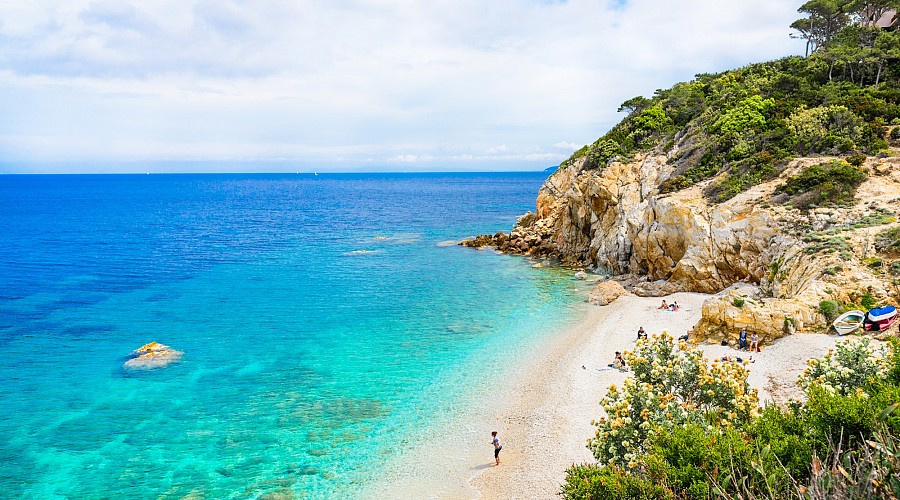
671 386
847 368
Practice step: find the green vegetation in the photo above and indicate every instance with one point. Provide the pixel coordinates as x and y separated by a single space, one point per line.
833 182
844 442
825 243
888 240
830 309
738 302
868 301
741 127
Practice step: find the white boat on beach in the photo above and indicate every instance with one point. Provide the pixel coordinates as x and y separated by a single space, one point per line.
849 322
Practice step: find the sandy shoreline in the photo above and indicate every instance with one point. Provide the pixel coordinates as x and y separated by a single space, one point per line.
544 407
545 419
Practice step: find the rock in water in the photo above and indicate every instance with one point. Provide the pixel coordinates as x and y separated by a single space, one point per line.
152 355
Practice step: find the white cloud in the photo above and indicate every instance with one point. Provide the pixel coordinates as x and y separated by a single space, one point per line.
566 145
443 83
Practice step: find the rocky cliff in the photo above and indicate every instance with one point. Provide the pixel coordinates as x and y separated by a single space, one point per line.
616 221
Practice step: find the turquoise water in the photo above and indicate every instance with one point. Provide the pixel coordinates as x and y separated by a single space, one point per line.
308 363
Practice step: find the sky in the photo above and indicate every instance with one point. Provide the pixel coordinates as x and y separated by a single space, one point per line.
348 85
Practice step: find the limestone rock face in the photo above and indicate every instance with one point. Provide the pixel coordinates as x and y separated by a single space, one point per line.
739 307
606 292
616 220
152 355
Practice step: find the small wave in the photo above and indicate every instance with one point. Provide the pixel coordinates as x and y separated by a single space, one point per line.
398 239
362 252
447 243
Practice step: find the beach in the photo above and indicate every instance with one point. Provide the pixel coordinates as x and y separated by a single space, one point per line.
544 416
544 407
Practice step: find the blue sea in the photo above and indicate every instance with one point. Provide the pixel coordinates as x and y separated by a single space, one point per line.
324 319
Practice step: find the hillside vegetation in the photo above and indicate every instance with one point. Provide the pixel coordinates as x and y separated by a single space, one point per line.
681 427
742 126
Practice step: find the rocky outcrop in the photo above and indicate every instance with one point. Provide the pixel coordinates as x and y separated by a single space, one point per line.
606 292
617 221
151 356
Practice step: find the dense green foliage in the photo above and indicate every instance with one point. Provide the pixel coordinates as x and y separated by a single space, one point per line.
590 482
742 126
843 442
830 182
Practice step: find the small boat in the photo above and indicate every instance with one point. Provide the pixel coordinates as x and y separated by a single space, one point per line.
880 319
849 322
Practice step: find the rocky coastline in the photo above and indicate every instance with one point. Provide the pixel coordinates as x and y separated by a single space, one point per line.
769 265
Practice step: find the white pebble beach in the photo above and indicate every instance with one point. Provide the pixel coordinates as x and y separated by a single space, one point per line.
544 410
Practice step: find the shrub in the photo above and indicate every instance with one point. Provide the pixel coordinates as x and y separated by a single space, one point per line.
670 387
749 113
689 458
840 420
888 240
847 368
871 471
785 432
894 370
590 482
867 301
835 181
826 129
738 302
856 160
830 309
601 152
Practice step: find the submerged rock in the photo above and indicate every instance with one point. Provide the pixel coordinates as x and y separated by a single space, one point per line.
152 355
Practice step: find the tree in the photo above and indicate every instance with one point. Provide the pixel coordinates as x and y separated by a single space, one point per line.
635 104
825 19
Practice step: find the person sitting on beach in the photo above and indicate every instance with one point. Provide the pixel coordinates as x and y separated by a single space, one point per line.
754 342
619 362
742 339
674 307
686 335
664 305
642 334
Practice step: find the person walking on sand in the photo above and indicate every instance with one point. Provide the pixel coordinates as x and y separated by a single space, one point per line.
497 446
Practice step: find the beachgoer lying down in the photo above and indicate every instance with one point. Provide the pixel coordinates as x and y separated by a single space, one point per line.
737 358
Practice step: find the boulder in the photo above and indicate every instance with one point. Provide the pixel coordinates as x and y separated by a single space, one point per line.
606 292
741 306
151 356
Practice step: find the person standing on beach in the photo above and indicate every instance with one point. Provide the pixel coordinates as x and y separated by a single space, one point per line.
754 342
742 339
497 446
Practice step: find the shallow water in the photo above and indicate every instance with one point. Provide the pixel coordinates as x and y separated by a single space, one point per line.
324 319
